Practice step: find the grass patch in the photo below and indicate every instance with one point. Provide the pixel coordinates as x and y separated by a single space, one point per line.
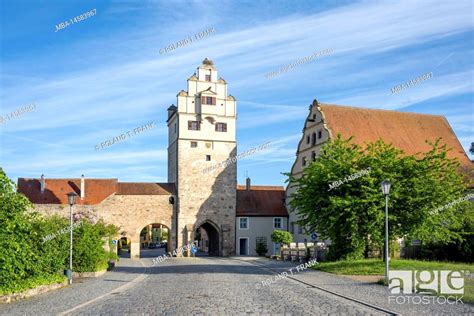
377 267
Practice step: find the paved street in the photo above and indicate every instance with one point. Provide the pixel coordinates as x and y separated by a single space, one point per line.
212 286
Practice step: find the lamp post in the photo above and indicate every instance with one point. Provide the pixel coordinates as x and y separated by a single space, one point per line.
386 191
71 197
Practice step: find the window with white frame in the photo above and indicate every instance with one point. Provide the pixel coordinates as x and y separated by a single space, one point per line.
243 223
277 222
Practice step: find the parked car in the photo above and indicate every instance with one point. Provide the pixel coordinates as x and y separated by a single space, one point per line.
163 244
153 245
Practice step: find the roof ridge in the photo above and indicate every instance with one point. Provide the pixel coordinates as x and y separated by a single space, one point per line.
382 110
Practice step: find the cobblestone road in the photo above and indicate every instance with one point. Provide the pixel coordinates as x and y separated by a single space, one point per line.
189 286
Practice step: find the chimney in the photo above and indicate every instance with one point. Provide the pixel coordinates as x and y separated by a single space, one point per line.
247 184
42 183
83 187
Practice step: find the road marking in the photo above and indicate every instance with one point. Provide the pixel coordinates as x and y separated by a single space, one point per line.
122 288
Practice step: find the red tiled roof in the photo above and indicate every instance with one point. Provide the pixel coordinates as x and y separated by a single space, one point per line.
96 190
141 188
261 201
407 131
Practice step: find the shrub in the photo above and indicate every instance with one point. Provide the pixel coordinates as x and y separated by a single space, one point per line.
261 249
282 237
29 258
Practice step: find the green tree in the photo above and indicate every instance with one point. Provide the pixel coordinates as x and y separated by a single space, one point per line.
339 196
281 237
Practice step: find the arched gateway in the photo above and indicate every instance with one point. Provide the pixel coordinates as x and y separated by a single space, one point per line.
202 176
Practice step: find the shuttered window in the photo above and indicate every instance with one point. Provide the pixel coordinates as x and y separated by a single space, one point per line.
194 125
221 127
208 100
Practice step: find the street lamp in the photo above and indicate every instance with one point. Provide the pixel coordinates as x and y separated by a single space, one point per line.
386 191
71 197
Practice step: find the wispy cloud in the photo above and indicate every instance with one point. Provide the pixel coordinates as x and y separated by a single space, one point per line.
112 79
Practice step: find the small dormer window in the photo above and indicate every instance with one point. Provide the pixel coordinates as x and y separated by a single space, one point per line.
208 78
208 100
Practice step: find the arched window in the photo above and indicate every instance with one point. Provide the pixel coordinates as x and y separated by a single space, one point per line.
313 139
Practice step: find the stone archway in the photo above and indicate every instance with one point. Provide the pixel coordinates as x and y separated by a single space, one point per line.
123 247
152 237
210 242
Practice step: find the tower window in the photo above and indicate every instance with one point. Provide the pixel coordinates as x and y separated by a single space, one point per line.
194 144
303 161
194 125
208 77
314 117
221 127
175 127
313 156
208 100
208 157
313 139
320 134
307 139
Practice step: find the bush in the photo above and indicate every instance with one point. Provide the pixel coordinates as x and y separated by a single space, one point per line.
261 249
35 250
282 237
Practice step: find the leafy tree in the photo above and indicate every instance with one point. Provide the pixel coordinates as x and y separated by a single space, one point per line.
281 237
351 213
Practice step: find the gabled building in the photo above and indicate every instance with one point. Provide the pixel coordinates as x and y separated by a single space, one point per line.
260 211
405 130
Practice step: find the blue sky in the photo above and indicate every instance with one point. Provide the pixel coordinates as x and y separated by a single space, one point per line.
104 76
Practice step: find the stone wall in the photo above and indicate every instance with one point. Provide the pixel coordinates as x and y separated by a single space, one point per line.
207 196
131 213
